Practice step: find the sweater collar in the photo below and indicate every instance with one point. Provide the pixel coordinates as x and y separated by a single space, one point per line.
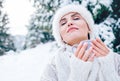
71 49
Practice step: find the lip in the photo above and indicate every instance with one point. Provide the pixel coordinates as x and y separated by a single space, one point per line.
71 28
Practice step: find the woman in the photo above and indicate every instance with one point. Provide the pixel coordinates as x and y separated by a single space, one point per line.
91 61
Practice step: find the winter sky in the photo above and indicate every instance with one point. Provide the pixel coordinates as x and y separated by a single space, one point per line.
19 12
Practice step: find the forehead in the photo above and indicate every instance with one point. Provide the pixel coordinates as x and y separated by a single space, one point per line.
71 14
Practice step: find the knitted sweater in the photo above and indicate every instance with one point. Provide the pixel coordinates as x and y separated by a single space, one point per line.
66 67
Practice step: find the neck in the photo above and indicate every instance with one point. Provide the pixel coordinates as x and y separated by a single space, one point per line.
75 42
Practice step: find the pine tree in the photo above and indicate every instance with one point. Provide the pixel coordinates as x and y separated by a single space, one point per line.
99 11
116 24
39 29
108 17
6 42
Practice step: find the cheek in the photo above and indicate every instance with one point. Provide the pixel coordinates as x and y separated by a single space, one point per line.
62 31
83 26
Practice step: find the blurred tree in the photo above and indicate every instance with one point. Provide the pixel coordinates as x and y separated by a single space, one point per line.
108 16
39 29
116 24
99 10
6 42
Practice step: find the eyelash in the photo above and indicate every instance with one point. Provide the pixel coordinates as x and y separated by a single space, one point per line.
76 18
63 23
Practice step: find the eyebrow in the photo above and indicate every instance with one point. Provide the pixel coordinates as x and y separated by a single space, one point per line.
71 16
74 14
62 19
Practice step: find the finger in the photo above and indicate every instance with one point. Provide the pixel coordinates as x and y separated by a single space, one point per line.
104 48
98 47
98 50
87 54
78 49
97 54
82 50
92 57
100 41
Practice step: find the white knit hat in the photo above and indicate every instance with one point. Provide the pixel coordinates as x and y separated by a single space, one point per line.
71 8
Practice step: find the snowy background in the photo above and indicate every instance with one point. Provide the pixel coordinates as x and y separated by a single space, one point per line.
26 65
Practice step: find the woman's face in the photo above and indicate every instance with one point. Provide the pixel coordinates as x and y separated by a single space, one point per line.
73 28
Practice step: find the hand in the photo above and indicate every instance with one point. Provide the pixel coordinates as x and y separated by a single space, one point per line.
99 48
83 54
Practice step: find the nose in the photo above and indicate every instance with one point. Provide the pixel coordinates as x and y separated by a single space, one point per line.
70 23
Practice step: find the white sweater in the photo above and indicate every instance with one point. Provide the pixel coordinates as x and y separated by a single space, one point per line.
66 67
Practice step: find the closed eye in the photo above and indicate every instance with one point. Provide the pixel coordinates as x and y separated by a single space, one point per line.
63 22
76 18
